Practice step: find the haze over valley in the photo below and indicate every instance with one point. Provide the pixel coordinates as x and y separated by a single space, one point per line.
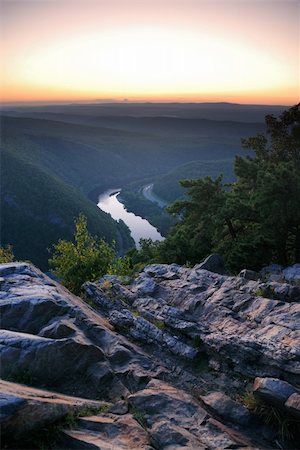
58 159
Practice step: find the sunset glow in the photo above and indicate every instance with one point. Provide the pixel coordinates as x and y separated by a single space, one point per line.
168 51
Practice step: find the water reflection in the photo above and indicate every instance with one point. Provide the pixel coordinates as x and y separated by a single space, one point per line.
140 228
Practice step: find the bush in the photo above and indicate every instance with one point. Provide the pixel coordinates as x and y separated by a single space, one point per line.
86 259
6 254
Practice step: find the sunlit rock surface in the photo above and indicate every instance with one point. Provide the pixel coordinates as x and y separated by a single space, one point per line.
173 353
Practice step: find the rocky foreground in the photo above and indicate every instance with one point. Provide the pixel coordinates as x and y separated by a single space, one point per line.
178 359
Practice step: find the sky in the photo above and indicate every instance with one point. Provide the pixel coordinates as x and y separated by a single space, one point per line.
244 51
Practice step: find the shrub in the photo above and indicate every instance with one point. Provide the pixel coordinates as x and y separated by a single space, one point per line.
6 254
86 259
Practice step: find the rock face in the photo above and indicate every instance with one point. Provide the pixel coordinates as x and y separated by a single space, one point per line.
171 353
275 272
24 408
278 393
52 338
191 312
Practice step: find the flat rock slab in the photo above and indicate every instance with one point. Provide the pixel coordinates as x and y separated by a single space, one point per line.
52 338
226 408
106 432
24 408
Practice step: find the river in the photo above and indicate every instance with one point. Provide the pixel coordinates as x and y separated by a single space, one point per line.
139 227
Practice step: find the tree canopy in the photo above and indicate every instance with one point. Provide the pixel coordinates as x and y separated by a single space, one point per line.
253 221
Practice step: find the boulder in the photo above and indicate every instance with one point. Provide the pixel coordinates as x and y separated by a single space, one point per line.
221 315
144 286
213 263
226 408
292 273
278 273
273 270
249 274
273 391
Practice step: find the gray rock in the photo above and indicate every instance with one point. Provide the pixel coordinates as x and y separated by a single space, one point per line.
226 408
249 274
275 272
292 405
119 408
145 286
9 405
106 432
177 318
165 409
144 331
52 338
24 409
213 263
273 391
272 269
230 318
95 292
292 273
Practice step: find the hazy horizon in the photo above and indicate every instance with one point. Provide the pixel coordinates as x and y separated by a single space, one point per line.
128 101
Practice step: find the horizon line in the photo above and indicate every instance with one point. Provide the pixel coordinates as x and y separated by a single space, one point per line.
128 102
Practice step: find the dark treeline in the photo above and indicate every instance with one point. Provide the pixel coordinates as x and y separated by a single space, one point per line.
253 221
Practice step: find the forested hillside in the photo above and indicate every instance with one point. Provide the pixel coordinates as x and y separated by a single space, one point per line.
168 187
38 208
56 158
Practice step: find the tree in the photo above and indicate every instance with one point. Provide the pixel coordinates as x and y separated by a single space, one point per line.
264 203
191 239
87 258
257 220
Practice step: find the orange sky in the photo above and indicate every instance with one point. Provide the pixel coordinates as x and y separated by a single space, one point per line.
243 51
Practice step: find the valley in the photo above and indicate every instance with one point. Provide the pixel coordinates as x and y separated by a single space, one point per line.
58 159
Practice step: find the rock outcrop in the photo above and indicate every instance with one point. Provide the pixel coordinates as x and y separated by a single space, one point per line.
164 360
193 312
25 408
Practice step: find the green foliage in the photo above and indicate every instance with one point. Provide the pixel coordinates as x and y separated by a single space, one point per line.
159 324
38 207
87 258
192 238
168 186
148 253
254 222
46 436
121 266
249 400
263 205
138 415
6 254
287 426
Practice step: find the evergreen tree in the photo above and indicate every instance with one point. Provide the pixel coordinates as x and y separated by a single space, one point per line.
257 220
